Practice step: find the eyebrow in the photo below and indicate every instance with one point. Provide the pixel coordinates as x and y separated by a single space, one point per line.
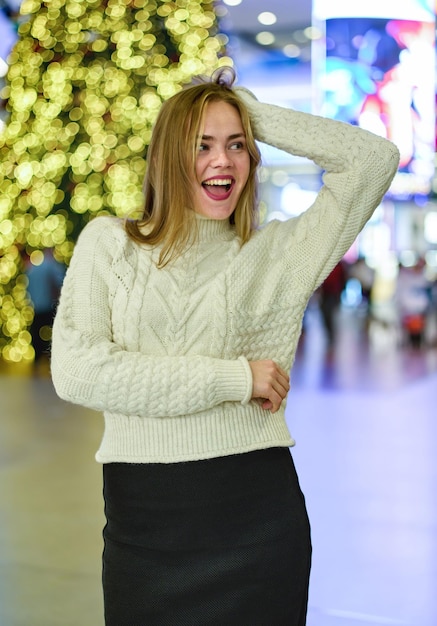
230 138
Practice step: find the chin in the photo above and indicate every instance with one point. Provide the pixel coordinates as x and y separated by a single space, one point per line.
218 215
215 213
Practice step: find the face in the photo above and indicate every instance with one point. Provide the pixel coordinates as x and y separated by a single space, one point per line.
223 162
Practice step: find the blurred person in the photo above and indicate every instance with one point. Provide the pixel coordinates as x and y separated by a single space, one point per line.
365 276
431 328
330 299
44 280
413 301
182 326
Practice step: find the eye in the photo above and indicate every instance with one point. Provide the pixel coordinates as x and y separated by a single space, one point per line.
203 147
237 145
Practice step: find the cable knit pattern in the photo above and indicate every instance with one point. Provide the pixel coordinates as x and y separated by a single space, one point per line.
164 352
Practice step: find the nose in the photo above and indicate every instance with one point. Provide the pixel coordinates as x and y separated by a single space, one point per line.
221 158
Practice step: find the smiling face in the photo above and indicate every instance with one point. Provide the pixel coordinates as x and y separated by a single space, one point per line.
222 162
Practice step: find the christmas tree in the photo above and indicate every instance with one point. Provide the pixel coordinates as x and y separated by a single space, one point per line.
86 79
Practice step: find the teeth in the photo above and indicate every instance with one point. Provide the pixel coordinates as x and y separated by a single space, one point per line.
219 181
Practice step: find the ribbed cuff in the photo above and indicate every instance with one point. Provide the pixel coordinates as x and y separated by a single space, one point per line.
234 381
249 380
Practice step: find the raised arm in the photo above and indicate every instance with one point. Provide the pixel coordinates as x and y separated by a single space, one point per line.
358 169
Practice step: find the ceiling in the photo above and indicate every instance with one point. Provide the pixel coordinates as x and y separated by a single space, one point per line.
292 18
243 18
266 66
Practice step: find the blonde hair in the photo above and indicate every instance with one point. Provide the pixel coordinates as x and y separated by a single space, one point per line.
167 219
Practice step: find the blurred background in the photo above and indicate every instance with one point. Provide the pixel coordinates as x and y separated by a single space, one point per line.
80 86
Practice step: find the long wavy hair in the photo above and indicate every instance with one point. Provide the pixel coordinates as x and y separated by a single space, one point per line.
167 219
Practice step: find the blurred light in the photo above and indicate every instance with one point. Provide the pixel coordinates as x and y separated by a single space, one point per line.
375 240
279 178
408 258
232 3
352 295
220 10
3 67
37 257
277 215
291 50
295 200
430 227
431 259
312 33
84 85
265 38
301 36
267 18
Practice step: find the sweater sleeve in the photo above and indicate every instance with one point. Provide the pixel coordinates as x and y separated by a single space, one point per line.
90 369
358 169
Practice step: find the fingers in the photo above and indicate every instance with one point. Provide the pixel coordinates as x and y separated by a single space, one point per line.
271 384
282 383
279 383
275 397
277 394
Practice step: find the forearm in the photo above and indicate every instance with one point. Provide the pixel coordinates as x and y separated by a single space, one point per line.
334 146
91 368
359 167
104 377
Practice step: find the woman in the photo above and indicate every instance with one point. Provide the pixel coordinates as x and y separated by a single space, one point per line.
182 327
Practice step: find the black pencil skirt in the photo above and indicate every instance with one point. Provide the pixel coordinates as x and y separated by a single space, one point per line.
221 542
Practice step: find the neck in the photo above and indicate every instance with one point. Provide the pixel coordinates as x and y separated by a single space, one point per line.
209 229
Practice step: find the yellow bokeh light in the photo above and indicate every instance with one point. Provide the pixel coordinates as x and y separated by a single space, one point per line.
85 83
37 257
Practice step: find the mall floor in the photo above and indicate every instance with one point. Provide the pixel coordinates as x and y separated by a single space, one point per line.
365 421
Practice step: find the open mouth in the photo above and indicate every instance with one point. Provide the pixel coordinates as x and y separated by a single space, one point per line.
218 188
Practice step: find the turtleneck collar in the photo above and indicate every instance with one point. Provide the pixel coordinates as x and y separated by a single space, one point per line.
209 229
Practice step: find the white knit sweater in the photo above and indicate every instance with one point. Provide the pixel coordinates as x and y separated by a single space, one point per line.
164 352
